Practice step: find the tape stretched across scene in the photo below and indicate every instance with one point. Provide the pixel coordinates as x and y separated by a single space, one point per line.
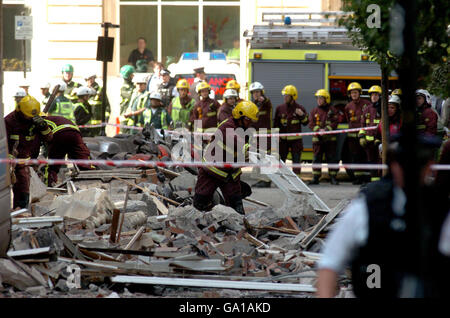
175 132
196 164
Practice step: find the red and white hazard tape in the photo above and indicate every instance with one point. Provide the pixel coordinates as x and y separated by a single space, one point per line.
169 164
175 132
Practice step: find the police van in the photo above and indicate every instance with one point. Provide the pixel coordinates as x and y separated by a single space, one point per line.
310 52
218 70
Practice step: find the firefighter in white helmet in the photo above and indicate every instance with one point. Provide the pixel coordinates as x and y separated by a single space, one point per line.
45 91
229 102
426 117
156 114
83 112
263 125
18 95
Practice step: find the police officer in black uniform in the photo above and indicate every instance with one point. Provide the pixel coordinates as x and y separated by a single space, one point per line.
381 242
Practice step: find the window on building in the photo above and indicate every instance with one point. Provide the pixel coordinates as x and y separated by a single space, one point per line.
220 28
179 32
172 27
135 22
12 48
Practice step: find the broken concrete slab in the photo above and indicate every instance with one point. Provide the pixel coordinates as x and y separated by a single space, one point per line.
132 220
184 181
17 277
37 291
37 188
91 206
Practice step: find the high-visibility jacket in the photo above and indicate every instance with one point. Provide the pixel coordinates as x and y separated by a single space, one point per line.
70 92
84 116
160 119
96 102
126 91
62 107
180 113
138 101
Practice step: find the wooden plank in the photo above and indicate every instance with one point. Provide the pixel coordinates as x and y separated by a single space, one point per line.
114 225
133 240
323 223
161 207
292 223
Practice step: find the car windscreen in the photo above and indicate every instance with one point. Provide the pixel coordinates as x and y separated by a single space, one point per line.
216 81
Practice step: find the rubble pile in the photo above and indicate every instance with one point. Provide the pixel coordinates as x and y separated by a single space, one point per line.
103 232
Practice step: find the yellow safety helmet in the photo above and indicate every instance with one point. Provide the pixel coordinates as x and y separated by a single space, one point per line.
202 85
246 109
375 89
182 83
354 85
397 91
29 106
323 93
290 90
233 85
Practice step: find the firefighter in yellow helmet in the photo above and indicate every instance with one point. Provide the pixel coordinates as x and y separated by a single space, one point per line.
371 117
25 129
354 115
289 118
181 106
233 84
223 150
206 109
324 117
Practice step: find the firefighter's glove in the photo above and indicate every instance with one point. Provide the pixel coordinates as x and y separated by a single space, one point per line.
316 128
363 142
40 123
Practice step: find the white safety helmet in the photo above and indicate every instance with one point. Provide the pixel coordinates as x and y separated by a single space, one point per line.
256 86
89 75
45 85
62 86
394 99
84 90
155 95
20 93
425 94
24 83
230 93
139 78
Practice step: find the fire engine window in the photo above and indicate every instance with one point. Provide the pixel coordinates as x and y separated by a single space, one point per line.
12 48
135 22
179 31
221 29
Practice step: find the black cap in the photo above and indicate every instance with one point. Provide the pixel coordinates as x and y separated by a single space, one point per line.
199 70
165 72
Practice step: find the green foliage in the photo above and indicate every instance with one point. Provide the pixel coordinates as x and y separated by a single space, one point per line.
431 33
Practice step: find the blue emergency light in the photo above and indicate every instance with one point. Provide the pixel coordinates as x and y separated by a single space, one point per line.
190 56
217 56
